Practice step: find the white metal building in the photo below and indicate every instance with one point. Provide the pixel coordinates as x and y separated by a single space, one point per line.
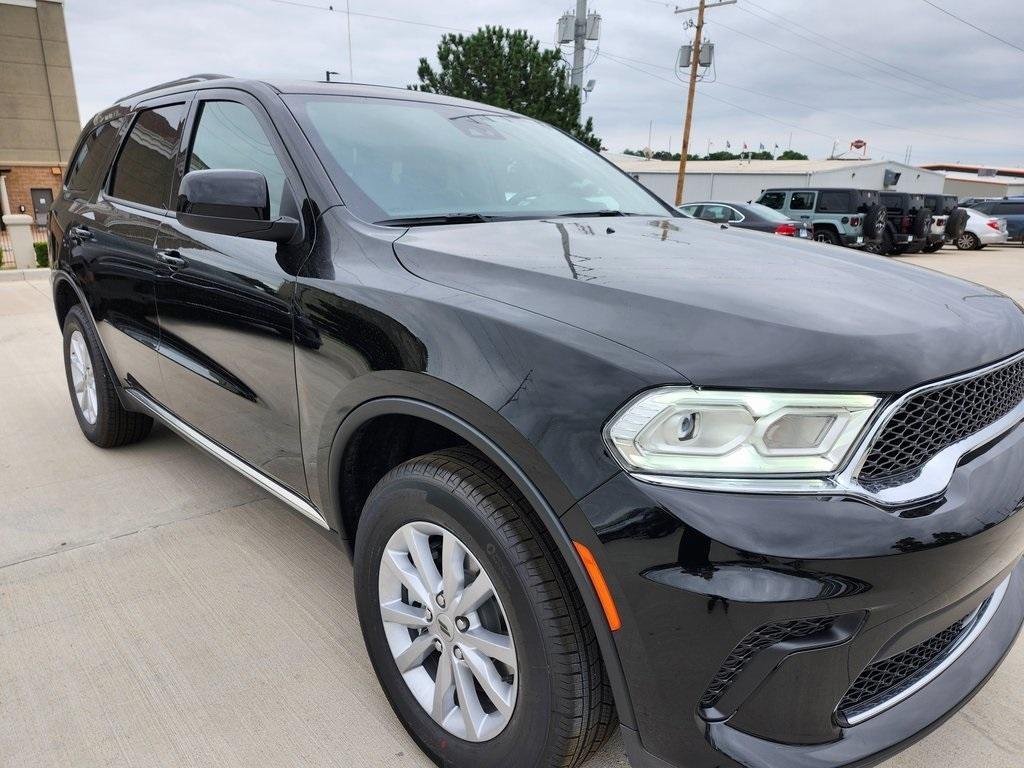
744 180
980 181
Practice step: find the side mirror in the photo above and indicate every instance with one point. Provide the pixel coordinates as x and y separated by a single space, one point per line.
231 202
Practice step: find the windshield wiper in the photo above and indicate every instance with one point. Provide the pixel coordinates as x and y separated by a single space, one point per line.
436 219
603 212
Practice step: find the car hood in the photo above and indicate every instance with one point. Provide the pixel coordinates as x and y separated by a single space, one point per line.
727 307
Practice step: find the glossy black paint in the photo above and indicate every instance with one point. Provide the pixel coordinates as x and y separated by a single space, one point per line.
522 338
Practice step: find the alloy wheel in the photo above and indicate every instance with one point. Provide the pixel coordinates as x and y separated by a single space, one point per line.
448 631
83 377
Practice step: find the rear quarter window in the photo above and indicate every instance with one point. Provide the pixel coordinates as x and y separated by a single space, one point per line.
87 169
834 202
774 200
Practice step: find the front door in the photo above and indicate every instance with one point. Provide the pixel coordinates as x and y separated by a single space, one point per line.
225 302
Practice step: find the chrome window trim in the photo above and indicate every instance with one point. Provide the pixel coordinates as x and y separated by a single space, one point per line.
932 479
974 627
218 451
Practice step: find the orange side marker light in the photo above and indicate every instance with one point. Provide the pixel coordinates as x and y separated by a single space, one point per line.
611 613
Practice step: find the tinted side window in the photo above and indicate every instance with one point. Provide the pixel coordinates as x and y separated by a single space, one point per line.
90 163
984 207
836 202
230 137
773 199
1009 209
802 201
718 213
145 168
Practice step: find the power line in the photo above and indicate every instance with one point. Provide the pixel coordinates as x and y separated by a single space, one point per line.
332 9
973 26
984 103
678 84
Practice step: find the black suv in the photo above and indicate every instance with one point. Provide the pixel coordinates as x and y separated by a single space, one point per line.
597 464
908 224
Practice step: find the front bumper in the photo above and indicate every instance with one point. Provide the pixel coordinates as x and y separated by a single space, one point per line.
696 574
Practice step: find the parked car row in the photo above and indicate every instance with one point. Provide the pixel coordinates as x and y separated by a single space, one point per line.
883 222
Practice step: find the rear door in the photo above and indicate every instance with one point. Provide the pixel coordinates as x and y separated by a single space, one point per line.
112 237
802 204
225 302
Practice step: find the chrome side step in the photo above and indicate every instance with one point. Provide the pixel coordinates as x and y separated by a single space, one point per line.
197 438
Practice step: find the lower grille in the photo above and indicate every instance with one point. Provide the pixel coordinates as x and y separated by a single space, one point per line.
757 641
883 677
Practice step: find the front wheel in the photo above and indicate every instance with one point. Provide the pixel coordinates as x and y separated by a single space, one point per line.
968 241
472 622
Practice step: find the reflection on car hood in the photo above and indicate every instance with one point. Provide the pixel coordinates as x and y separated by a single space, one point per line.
727 307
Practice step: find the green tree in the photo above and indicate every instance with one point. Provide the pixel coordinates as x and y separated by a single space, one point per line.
507 68
789 154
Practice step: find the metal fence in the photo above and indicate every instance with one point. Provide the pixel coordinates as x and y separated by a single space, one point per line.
39 235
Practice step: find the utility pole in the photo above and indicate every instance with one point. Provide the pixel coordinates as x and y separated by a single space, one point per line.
579 41
694 63
577 29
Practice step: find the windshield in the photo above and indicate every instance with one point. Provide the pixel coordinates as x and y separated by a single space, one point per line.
397 159
770 214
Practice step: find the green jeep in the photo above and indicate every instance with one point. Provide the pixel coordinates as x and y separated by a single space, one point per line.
850 217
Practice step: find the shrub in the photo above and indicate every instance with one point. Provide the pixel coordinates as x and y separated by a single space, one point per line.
42 254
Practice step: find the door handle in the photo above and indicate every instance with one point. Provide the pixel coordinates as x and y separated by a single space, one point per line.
82 233
171 258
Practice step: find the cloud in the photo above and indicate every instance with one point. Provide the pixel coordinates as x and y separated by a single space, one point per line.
894 74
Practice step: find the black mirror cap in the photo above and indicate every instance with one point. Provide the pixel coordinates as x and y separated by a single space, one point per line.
231 202
229 194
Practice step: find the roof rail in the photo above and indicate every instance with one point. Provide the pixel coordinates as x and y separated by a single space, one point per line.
202 77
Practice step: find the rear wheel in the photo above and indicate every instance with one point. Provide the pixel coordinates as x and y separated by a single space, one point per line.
472 622
102 418
933 247
826 236
883 247
968 241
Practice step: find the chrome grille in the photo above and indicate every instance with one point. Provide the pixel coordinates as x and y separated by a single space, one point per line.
933 420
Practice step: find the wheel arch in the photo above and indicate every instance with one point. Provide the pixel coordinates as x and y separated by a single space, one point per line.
67 294
513 468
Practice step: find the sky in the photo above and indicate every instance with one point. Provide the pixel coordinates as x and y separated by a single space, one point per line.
810 74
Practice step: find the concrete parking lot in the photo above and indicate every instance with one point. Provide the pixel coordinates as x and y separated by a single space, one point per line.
158 609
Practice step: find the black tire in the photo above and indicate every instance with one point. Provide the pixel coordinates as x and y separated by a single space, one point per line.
956 224
968 241
113 425
825 235
922 223
883 247
564 709
874 223
933 247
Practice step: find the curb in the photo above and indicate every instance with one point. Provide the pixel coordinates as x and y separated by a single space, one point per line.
12 275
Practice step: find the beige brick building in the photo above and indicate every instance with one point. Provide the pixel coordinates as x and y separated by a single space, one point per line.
39 121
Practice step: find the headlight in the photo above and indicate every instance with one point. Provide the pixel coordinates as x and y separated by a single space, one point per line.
685 431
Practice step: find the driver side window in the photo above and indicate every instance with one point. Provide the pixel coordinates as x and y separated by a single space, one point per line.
228 136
